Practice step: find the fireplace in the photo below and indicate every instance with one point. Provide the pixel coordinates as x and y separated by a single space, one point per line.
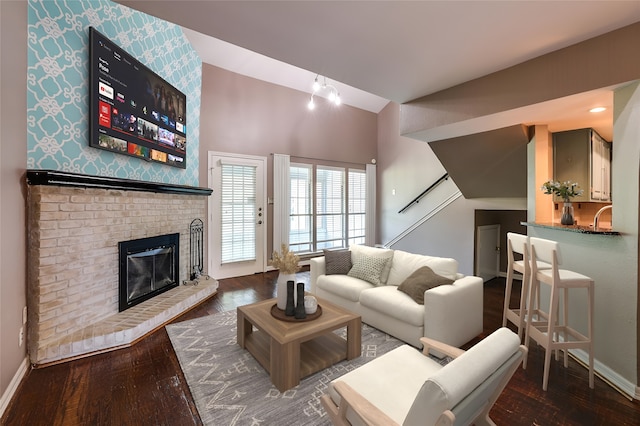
148 267
73 305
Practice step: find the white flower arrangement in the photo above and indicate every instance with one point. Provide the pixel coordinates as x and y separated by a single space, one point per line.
566 189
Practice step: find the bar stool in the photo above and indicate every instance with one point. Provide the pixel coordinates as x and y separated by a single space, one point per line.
518 244
545 327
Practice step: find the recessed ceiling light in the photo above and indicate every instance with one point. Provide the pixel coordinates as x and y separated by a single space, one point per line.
597 109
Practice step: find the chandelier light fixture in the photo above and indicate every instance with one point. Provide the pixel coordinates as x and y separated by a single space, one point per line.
318 88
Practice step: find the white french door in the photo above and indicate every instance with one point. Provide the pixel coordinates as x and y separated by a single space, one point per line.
237 215
488 252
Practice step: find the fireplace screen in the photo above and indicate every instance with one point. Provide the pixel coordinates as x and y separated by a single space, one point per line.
148 267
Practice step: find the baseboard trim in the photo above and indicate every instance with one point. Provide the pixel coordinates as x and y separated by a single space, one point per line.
13 385
613 379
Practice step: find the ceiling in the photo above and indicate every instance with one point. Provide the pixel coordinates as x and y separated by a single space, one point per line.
376 51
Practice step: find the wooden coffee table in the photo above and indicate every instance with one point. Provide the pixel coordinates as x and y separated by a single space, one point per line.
292 350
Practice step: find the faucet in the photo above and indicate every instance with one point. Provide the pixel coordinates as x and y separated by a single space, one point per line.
597 216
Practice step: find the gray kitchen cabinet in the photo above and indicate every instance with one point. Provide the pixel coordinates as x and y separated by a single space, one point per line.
583 156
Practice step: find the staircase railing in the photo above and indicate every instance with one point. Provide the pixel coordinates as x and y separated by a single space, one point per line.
425 192
433 212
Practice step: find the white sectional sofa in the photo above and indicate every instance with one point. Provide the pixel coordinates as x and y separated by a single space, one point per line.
452 311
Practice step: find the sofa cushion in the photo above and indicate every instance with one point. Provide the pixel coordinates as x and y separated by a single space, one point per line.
420 281
347 287
390 302
337 261
368 268
357 250
405 264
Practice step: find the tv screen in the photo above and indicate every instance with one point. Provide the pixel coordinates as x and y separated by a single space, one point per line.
134 111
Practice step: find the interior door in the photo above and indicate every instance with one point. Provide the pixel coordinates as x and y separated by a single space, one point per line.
237 215
488 252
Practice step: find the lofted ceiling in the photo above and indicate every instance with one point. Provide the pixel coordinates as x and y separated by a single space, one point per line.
376 51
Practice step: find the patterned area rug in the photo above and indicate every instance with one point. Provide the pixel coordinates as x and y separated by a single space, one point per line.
231 388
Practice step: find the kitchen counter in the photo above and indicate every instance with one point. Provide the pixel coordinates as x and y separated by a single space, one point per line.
572 228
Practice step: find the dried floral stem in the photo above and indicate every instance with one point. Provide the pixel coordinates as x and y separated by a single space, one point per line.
287 262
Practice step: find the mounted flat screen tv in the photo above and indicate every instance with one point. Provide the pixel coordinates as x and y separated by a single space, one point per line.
134 111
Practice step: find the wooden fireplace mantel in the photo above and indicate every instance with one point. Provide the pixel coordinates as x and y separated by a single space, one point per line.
60 178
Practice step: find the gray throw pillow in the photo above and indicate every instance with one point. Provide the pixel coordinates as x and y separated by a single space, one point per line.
421 280
337 261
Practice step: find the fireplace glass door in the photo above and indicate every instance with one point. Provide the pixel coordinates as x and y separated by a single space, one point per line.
148 267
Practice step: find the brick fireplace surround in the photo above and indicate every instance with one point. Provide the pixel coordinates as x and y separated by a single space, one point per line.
74 225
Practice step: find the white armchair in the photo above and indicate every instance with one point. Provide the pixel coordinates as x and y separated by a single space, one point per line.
405 387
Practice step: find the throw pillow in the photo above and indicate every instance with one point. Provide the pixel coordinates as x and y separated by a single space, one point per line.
420 281
358 249
337 261
368 268
405 263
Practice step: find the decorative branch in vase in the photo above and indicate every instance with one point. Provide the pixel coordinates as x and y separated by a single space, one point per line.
287 263
566 190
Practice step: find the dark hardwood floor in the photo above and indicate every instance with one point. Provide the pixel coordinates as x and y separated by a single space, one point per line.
143 385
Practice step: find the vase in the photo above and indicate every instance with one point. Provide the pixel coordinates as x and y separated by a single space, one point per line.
567 214
300 311
290 309
310 305
281 289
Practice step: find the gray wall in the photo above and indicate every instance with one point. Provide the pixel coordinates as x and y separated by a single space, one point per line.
13 158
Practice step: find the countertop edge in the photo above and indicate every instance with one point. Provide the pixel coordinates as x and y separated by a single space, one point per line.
572 228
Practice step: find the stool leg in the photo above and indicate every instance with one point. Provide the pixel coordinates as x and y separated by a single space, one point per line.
507 296
553 310
565 316
524 305
527 323
590 326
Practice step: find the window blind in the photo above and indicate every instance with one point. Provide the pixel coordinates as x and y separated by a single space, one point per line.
238 198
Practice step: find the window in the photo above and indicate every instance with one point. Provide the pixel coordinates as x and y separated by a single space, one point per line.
327 207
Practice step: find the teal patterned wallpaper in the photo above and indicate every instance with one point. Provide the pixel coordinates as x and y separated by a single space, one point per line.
58 84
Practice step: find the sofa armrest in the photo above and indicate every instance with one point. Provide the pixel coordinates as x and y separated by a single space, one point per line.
453 313
318 267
